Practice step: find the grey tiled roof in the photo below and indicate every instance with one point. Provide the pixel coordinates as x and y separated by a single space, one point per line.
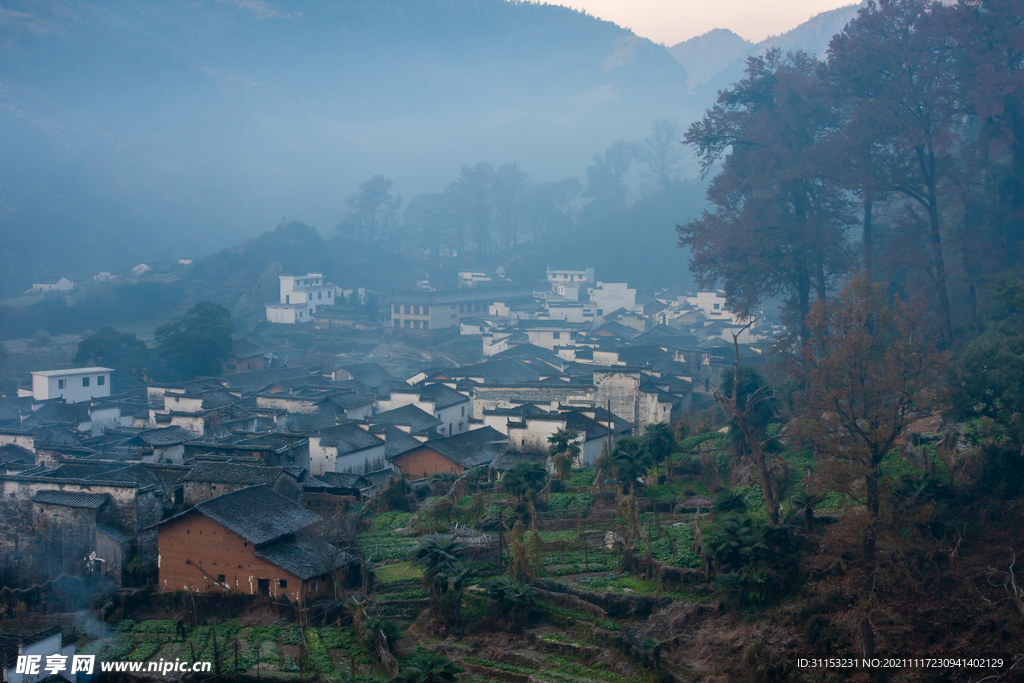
114 533
470 449
166 436
230 473
348 438
257 514
506 460
343 480
397 442
370 374
350 399
441 395
71 499
13 453
246 348
303 557
408 416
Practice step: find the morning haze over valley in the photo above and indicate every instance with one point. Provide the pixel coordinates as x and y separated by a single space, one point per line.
482 340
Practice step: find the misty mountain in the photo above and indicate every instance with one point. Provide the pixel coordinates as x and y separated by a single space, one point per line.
716 59
706 55
165 129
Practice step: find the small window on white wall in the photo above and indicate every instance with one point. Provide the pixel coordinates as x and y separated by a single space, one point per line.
85 381
101 380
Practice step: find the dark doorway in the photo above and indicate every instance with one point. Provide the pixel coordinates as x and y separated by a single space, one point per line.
264 586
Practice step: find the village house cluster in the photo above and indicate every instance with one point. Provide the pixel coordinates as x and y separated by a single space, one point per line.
219 484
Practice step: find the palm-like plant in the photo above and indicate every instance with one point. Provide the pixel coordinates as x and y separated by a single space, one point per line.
632 460
564 449
660 442
525 479
428 668
515 599
441 555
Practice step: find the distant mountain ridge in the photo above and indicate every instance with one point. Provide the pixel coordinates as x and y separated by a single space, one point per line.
717 58
172 128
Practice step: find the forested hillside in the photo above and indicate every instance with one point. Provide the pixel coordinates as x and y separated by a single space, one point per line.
198 125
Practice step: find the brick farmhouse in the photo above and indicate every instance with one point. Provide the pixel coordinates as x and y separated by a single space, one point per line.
252 541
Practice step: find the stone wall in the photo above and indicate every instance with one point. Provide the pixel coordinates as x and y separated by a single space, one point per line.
489 397
622 389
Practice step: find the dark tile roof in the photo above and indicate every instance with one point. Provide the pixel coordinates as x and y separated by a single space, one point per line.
617 329
10 642
303 557
114 533
348 438
83 469
312 422
71 499
218 399
256 513
506 460
136 473
57 411
230 473
343 480
10 452
472 448
276 440
251 382
370 374
56 435
408 416
642 354
397 442
246 348
501 371
165 436
441 395
350 399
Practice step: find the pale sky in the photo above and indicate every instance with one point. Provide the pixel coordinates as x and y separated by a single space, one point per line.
672 21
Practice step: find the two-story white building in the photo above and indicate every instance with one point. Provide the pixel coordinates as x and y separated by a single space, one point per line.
577 277
611 296
712 304
301 295
74 385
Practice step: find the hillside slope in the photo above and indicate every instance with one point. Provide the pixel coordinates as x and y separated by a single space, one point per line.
717 58
172 128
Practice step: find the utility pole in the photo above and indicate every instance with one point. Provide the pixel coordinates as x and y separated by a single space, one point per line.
501 539
611 424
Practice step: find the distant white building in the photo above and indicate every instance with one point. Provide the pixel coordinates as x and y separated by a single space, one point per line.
611 296
579 277
185 261
712 304
300 297
140 269
61 285
103 277
74 386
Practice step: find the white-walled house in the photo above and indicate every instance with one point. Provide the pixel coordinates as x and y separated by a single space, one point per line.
301 295
712 304
74 385
61 285
42 644
346 448
611 296
579 277
290 314
451 407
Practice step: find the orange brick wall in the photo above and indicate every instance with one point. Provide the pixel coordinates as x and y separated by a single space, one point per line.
425 461
214 550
